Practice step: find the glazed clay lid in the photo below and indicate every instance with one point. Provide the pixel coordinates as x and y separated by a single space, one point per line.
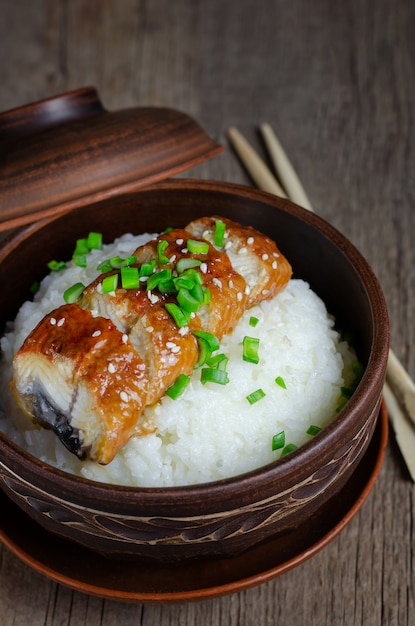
69 151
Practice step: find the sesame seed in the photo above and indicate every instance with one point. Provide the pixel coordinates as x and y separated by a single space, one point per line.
184 330
185 250
274 265
124 396
275 254
265 292
179 242
239 296
242 251
124 338
247 290
172 258
61 321
250 241
265 257
96 333
170 344
231 284
203 268
111 368
149 329
99 287
217 282
228 245
53 321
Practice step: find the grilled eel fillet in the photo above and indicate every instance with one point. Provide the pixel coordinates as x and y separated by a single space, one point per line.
89 369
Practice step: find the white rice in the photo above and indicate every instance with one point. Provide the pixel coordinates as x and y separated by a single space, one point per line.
212 431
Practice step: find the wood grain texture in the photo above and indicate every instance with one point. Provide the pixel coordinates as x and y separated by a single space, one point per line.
335 80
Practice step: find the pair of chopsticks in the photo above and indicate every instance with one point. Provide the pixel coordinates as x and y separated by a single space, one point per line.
399 389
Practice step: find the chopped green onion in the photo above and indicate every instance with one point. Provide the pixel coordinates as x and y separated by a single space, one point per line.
250 349
34 287
110 283
219 361
211 375
104 266
166 286
186 263
178 387
81 247
180 317
211 340
204 353
219 237
187 301
290 447
197 247
72 293
198 293
56 266
161 248
94 241
183 282
167 230
253 321
313 430
159 277
129 278
278 440
147 268
281 382
206 295
255 396
80 260
193 275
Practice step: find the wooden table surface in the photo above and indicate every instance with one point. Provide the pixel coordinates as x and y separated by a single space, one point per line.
336 81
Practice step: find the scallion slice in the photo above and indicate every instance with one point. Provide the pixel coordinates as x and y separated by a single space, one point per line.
161 248
80 260
313 430
159 277
180 317
219 237
219 361
178 387
278 440
290 447
186 301
211 375
166 286
253 321
81 247
255 396
250 349
130 277
110 283
186 263
56 266
147 268
72 293
183 282
94 241
281 382
197 247
210 339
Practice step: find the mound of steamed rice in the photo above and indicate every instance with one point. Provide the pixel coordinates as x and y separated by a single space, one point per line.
212 431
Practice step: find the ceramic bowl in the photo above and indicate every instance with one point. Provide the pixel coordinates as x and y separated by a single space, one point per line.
228 516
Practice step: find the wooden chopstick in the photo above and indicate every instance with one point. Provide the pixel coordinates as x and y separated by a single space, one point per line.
256 167
399 390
